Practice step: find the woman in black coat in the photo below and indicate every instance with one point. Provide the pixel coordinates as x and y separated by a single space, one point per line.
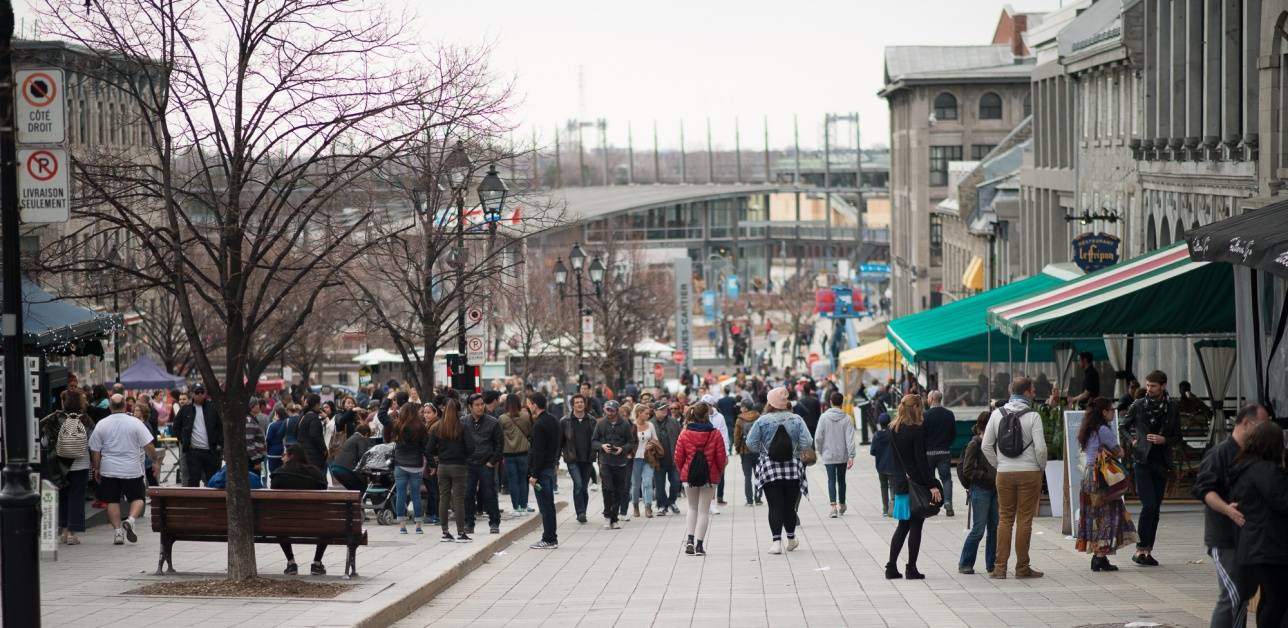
908 440
1260 488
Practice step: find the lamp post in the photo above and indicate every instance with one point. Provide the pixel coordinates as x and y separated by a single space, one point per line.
577 258
458 167
19 504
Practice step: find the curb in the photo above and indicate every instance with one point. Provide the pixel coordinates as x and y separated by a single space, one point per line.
412 601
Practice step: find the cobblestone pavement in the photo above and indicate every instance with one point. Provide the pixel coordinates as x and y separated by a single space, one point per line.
639 576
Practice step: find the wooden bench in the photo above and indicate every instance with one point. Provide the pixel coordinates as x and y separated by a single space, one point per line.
280 516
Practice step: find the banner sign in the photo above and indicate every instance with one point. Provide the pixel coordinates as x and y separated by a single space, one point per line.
1094 251
684 309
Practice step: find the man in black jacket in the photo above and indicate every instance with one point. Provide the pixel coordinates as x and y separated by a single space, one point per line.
940 425
615 441
297 475
201 437
668 432
310 432
1154 425
1222 519
577 430
808 406
488 447
543 459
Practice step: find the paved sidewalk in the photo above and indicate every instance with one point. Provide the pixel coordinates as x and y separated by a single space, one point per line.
639 576
87 585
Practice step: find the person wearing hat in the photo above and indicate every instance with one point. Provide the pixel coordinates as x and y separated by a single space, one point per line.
880 449
614 441
668 433
201 438
613 410
780 476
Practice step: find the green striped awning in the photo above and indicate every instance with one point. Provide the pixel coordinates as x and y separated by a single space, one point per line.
1161 292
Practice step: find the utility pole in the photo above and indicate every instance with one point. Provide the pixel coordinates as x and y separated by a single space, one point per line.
684 161
19 503
827 181
581 156
796 182
603 148
711 161
768 176
657 157
630 155
558 171
737 151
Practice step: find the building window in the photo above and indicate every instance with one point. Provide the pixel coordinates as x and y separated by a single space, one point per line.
990 107
979 151
945 107
939 158
1028 103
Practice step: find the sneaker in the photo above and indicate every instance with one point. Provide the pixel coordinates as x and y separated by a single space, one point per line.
419 530
118 537
581 518
700 550
948 510
661 512
72 539
317 569
722 503
134 538
543 546
759 502
833 513
1145 560
433 521
792 544
469 529
447 538
843 508
464 538
689 549
674 510
748 504
776 547
292 569
495 530
966 571
402 530
626 517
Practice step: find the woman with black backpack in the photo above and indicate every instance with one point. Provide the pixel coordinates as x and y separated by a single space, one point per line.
908 441
701 458
779 436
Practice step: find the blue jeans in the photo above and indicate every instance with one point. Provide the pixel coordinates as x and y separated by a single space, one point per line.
407 487
748 468
580 474
983 519
546 504
642 482
943 463
835 482
516 480
71 501
669 472
1151 483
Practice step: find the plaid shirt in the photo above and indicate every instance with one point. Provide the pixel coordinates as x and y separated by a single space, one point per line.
769 471
255 446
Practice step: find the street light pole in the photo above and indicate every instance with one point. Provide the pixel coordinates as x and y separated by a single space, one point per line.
19 504
577 258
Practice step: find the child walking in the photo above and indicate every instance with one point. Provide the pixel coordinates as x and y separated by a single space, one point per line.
885 459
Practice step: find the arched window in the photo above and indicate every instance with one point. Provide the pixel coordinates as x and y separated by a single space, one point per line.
990 107
945 107
1164 233
1180 231
1151 235
1028 103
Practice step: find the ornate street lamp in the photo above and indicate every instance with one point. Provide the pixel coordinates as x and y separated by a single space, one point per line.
492 193
457 165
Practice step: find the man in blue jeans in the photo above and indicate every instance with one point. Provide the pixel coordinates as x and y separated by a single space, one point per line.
543 457
1154 423
577 429
668 432
940 426
480 485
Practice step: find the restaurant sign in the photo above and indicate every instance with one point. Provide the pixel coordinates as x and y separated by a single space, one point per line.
1093 251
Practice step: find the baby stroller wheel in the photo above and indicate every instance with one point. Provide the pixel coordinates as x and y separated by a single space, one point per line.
385 517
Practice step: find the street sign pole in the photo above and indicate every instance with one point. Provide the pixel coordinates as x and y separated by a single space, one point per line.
19 504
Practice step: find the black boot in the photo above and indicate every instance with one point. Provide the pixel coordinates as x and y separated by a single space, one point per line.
892 572
910 572
1104 564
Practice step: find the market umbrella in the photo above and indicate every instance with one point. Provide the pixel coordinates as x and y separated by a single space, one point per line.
1258 238
148 375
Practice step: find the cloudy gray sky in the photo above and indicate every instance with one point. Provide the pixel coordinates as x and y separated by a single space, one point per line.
690 60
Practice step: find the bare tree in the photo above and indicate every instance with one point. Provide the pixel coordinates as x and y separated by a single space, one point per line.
634 302
794 300
240 174
533 319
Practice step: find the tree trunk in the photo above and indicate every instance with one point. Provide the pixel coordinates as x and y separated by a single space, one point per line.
241 520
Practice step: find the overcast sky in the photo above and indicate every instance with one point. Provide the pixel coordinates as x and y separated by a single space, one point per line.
690 60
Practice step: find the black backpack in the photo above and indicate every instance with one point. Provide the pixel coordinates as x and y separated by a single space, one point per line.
1010 434
780 446
290 431
699 472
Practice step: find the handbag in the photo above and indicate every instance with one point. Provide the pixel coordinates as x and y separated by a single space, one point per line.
920 501
809 456
1111 481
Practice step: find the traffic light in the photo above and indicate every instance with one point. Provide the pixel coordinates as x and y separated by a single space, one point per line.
459 373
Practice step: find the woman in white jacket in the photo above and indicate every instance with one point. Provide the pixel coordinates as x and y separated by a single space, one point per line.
834 442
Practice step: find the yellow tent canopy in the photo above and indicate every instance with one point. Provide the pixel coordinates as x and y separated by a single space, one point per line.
878 354
973 278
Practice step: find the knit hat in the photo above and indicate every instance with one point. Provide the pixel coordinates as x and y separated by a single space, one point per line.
777 399
884 419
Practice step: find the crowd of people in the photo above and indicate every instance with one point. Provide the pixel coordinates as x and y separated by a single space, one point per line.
454 454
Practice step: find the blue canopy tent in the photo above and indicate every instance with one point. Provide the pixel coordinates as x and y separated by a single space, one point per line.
52 326
146 374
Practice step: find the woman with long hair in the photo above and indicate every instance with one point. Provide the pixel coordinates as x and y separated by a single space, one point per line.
1260 486
450 448
980 479
71 499
1104 525
699 437
642 471
516 431
908 440
429 412
411 442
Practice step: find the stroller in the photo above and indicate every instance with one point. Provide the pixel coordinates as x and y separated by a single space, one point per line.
376 467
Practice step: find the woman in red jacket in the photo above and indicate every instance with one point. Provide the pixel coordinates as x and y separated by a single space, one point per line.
700 448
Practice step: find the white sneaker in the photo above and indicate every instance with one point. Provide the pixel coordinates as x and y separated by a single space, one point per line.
118 538
792 544
714 510
626 517
776 547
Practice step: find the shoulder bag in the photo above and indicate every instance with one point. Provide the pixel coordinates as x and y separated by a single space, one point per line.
920 502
